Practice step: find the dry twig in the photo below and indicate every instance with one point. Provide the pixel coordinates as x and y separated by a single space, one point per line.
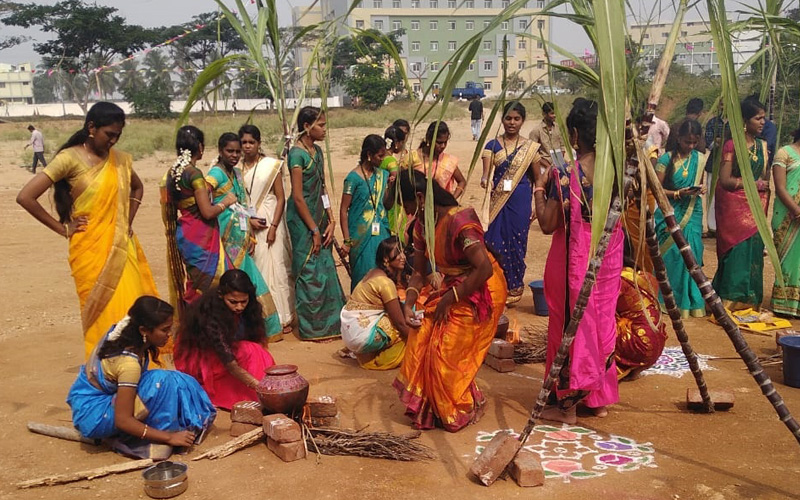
368 444
532 347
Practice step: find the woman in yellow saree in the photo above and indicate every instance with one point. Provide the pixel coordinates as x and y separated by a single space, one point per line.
446 347
97 194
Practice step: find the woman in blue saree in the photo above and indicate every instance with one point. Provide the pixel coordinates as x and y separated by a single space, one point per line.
234 225
514 161
681 173
144 413
363 211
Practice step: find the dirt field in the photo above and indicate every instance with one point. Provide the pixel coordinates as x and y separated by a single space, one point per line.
744 453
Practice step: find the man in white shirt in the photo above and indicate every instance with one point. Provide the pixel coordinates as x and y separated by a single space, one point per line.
37 144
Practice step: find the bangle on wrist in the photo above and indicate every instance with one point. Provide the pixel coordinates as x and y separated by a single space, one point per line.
66 231
315 230
538 189
144 432
408 289
455 294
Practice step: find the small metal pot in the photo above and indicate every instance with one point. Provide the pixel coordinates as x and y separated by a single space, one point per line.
165 479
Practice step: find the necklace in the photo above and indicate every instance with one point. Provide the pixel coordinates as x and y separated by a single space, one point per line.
684 166
753 151
505 150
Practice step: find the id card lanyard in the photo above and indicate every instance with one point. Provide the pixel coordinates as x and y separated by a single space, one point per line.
376 226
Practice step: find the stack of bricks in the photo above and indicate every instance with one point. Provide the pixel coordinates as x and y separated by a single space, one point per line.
284 437
324 412
245 417
501 356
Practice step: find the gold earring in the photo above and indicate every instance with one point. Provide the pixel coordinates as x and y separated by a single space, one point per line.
144 338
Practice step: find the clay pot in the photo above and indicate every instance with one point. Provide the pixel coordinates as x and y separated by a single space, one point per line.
282 390
502 327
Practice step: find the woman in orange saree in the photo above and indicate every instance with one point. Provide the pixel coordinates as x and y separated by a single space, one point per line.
444 166
97 194
445 348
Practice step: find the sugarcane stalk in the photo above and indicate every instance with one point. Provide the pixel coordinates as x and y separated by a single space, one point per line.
715 304
614 213
660 271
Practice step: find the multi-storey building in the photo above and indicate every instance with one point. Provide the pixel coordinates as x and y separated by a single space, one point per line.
695 47
435 29
16 83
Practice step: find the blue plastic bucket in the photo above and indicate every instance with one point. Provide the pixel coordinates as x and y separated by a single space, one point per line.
539 302
791 359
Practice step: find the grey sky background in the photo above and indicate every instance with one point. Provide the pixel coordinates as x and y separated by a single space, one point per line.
152 13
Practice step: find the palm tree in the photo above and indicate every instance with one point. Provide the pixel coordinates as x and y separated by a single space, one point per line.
131 80
159 67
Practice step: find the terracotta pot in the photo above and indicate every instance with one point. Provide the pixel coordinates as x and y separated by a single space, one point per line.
282 390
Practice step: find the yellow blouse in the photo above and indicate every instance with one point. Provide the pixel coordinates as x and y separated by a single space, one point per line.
123 370
376 291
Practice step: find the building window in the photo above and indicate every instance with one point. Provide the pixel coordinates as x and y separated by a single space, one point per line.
469 4
397 25
396 4
415 4
522 44
434 4
540 24
486 24
505 3
684 33
487 4
487 45
451 46
416 67
646 36
451 4
487 65
435 66
506 44
434 46
540 4
504 65
470 25
414 46
487 85
504 26
378 25
539 64
522 25
377 4
471 67
436 86
433 25
665 35
451 25
417 88
359 24
521 65
539 44
414 25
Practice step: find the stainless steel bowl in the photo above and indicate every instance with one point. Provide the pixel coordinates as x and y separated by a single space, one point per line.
165 479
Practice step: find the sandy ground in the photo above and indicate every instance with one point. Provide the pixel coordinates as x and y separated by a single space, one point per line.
744 453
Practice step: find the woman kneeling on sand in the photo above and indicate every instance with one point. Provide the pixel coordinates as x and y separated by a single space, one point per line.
222 342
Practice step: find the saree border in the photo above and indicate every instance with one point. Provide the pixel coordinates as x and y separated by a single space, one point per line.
515 172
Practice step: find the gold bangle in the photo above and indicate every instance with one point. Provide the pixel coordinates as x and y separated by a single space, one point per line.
408 289
144 432
455 293
66 231
137 200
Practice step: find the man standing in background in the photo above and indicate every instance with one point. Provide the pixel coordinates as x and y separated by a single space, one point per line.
37 144
546 133
476 117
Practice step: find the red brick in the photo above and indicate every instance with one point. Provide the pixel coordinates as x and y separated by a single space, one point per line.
723 399
239 428
526 469
501 365
288 452
322 406
247 412
501 349
282 429
326 422
494 458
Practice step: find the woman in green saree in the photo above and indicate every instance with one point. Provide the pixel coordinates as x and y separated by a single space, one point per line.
368 192
681 172
234 225
318 294
786 228
739 280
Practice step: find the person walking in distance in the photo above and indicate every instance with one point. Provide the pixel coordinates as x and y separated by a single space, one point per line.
546 133
476 116
37 144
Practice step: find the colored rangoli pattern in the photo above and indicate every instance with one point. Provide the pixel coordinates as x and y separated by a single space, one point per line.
673 363
573 452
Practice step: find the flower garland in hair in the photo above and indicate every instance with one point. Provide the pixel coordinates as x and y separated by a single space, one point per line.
117 331
184 159
389 143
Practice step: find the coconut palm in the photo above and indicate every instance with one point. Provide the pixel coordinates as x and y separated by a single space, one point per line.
159 67
131 78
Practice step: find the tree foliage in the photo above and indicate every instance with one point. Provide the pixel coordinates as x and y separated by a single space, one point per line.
82 34
151 101
363 66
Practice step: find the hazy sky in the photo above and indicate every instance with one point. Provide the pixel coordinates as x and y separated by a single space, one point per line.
151 13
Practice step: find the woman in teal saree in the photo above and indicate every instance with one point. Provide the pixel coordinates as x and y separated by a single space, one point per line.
680 172
786 228
318 294
234 225
365 222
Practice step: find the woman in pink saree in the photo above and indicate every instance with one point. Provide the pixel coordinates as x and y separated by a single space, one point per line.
589 373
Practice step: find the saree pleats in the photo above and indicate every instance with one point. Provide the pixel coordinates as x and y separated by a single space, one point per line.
107 291
786 234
